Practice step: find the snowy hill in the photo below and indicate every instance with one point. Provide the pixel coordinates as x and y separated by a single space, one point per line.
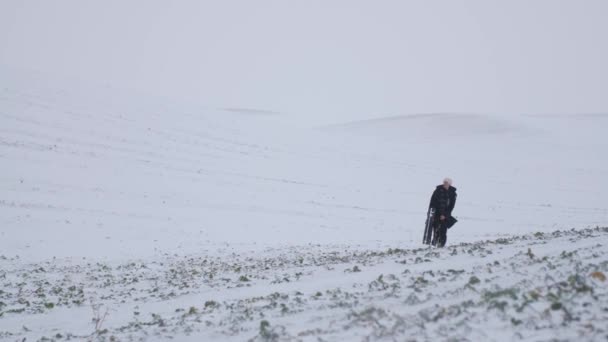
100 183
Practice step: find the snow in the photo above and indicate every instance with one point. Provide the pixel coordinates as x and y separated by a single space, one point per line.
133 203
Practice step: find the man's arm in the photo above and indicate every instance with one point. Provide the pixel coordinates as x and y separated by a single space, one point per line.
452 203
433 197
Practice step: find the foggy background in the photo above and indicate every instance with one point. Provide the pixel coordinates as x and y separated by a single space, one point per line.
325 61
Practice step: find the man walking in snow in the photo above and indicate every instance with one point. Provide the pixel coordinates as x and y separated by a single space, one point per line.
442 203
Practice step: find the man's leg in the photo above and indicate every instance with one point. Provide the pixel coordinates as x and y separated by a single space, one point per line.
443 234
436 227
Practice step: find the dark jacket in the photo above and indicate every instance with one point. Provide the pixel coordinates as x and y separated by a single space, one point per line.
443 201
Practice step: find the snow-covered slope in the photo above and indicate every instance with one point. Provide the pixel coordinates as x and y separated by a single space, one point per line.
538 287
93 175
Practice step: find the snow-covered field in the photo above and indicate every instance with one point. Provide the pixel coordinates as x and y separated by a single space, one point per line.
128 217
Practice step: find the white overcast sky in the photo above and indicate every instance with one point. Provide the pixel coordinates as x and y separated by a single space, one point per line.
326 60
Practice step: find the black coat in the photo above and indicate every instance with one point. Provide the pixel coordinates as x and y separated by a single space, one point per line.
443 201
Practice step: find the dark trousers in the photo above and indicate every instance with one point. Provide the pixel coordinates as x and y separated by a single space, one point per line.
440 233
